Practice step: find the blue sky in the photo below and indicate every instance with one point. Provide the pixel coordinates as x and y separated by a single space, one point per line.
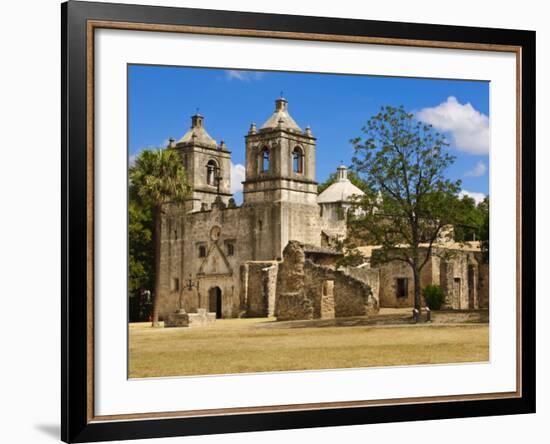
162 99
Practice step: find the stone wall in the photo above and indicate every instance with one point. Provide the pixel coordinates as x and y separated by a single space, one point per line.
260 282
327 310
322 256
292 306
333 223
455 271
352 297
291 301
229 294
389 273
189 299
368 275
182 235
300 222
460 280
483 285
256 234
306 290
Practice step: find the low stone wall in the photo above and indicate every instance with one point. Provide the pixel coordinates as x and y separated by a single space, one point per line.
293 306
181 319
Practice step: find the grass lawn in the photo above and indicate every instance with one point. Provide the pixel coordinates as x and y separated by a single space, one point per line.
245 345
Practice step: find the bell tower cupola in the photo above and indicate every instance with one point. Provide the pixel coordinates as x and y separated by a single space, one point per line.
280 159
207 165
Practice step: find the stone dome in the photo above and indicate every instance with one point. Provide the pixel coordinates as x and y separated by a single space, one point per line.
340 191
281 118
197 135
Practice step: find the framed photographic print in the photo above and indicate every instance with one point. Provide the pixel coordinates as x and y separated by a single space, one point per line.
275 221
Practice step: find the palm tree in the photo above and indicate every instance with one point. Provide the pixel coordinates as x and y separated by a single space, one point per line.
157 178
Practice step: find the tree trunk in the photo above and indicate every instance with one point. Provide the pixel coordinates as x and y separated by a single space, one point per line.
416 264
416 279
157 239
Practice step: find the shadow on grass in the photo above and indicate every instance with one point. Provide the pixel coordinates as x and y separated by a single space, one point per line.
443 317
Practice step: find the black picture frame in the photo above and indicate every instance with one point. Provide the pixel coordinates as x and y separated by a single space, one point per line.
76 423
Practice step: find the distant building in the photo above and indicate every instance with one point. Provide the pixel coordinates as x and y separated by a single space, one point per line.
459 269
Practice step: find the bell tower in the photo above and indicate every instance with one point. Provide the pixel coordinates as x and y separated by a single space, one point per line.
280 182
280 160
207 165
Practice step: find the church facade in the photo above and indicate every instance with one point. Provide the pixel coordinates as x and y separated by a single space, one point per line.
226 259
210 247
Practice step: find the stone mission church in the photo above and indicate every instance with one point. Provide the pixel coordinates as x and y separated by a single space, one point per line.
271 256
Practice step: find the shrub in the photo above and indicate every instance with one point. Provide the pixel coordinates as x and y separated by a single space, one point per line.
434 296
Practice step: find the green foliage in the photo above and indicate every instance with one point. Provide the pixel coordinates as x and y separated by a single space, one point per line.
140 247
408 199
469 226
352 176
140 307
141 260
434 296
157 178
483 207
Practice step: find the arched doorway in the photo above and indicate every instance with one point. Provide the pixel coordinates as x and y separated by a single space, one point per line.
215 301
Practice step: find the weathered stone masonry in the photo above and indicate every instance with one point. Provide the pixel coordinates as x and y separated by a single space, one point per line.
309 290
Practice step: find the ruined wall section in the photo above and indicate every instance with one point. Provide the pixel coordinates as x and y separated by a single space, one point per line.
259 284
292 302
352 297
370 276
307 290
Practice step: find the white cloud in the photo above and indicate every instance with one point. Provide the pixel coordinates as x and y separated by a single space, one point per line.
477 171
237 176
478 197
467 127
243 76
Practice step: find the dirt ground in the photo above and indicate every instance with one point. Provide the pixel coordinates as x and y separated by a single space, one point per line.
264 345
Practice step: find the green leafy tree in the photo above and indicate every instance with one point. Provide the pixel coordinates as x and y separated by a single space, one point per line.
483 208
352 176
408 200
468 226
141 258
157 178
